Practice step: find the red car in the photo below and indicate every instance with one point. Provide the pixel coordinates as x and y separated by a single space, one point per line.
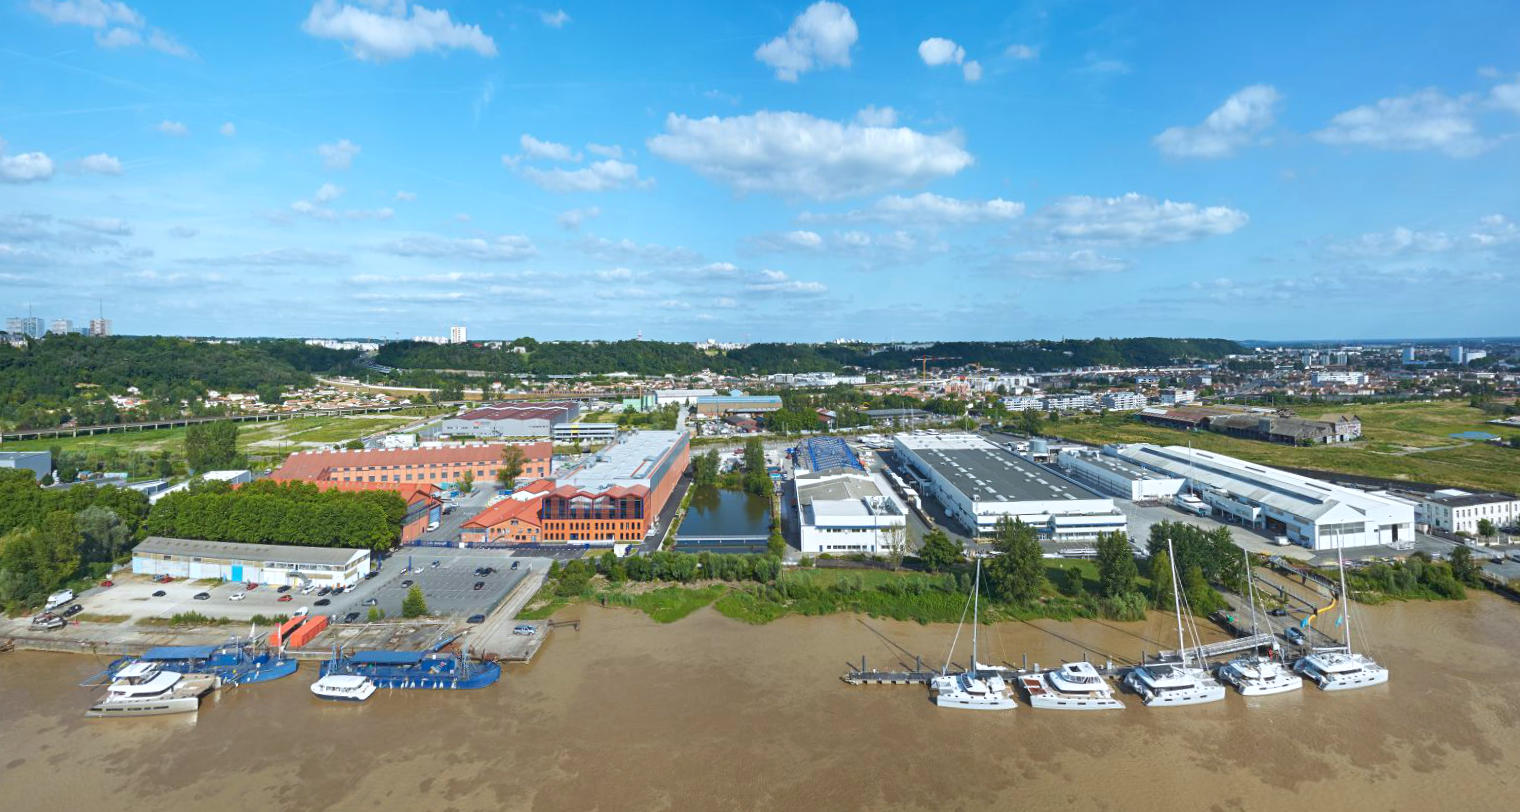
163 579
107 583
283 598
250 586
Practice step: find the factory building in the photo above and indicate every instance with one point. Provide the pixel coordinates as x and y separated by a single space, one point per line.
40 463
1108 474
1312 513
512 420
683 397
441 466
272 564
843 510
584 433
724 405
979 483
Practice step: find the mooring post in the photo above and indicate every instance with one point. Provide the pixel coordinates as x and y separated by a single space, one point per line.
862 663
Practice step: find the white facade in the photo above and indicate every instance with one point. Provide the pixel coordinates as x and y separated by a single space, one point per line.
1310 512
979 483
842 511
1340 378
685 397
1024 403
272 564
458 334
1055 403
1123 401
1460 511
1176 397
1108 474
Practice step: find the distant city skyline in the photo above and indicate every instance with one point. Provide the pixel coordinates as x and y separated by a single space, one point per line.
792 172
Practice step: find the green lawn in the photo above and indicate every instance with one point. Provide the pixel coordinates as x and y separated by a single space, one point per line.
299 430
1389 431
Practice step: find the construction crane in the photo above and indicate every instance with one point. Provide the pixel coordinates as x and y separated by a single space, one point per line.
925 359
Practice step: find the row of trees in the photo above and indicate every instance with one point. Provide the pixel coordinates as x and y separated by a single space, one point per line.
267 512
571 579
212 446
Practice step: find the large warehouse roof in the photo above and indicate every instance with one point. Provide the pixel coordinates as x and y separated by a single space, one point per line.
629 462
986 473
289 553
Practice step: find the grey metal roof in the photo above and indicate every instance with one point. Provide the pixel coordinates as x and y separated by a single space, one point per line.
835 487
289 553
991 474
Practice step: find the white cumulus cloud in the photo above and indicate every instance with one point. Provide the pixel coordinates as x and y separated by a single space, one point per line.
940 51
925 208
599 176
1426 119
605 150
820 37
1021 52
1135 218
796 154
175 128
25 167
1233 125
873 116
339 154
769 282
116 24
554 19
573 218
503 248
547 150
101 164
394 30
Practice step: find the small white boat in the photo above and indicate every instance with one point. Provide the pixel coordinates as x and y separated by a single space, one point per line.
980 688
1073 686
343 688
143 689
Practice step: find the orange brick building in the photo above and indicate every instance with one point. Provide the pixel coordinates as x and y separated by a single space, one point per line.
442 466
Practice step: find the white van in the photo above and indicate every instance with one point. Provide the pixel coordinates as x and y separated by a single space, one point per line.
59 598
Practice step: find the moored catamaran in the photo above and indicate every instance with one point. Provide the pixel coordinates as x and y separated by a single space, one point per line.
979 688
1164 684
1257 674
431 668
1339 668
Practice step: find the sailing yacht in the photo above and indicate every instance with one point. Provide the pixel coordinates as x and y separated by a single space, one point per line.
1166 684
1073 686
1338 668
1254 674
144 689
979 688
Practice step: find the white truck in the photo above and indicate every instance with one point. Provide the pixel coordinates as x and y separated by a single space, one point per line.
59 598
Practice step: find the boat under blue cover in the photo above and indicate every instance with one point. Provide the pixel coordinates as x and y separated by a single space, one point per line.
236 663
415 669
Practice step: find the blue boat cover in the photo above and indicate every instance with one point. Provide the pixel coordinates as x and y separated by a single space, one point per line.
387 657
179 653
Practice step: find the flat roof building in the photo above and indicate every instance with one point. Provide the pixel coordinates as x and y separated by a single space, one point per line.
442 466
720 405
845 510
1109 474
1310 512
40 463
511 419
979 483
273 564
1457 511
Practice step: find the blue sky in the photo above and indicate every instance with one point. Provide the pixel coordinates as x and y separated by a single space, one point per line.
762 172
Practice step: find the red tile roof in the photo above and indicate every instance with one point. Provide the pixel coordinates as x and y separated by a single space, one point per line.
409 491
313 466
525 510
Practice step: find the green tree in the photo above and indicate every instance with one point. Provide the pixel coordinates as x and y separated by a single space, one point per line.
1486 529
354 445
1017 574
376 613
705 468
102 534
1161 580
467 482
210 446
1202 599
1117 573
270 395
414 604
512 460
1030 422
1463 567
939 551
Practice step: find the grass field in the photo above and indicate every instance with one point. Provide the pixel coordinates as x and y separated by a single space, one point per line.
1405 441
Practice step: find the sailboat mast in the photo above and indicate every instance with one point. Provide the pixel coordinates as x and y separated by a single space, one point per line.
1176 601
1250 589
1340 560
976 594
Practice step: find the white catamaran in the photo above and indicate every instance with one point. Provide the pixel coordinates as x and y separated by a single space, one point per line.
978 688
1073 686
1167 684
143 689
1338 668
1254 674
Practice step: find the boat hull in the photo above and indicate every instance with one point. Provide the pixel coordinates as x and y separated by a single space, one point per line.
1364 680
1003 703
481 675
1247 685
1042 695
1203 694
158 707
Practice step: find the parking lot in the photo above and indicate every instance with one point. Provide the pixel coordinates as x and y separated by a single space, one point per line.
449 588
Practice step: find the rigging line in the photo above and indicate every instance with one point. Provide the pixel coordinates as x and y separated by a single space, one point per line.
957 637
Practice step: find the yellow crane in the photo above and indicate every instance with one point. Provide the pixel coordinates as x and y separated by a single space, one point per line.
925 359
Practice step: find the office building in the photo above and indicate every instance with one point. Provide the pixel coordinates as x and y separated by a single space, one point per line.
1457 511
40 463
271 564
100 327
61 327
1176 397
1122 401
583 432
1339 378
979 483
722 405
441 466
618 495
843 510
511 419
1409 355
1108 474
1309 512
458 334
30 326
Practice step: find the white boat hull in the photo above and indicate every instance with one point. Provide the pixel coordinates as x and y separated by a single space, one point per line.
1042 695
1248 685
144 707
1335 682
1205 692
976 703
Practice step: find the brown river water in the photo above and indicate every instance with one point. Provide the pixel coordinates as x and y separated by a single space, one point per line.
708 713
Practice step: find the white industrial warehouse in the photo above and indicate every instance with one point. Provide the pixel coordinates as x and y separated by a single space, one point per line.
273 564
1311 513
979 483
843 511
1106 473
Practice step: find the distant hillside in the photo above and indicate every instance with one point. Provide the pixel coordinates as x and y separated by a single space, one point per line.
660 357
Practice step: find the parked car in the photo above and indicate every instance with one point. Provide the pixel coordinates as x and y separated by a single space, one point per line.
476 619
50 623
350 617
308 589
515 563
479 585
250 586
1294 636
302 612
435 564
1280 611
324 592
371 574
284 598
406 583
237 596
203 596
524 629
369 602
73 610
163 579
282 590
107 583
323 601
159 594
432 526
